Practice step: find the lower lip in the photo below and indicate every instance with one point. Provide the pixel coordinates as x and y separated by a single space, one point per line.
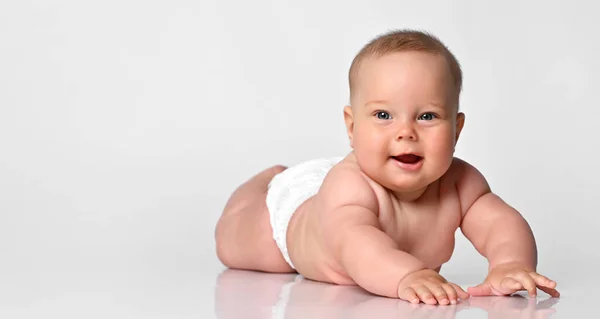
409 167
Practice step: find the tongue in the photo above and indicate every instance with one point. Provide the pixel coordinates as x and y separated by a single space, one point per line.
408 158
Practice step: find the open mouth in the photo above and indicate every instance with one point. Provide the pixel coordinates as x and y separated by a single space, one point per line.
408 158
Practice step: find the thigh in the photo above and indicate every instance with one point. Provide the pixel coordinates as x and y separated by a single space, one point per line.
244 235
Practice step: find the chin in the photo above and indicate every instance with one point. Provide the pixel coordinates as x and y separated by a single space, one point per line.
408 187
409 184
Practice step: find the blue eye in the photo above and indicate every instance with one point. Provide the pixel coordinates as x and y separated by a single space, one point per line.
382 115
427 116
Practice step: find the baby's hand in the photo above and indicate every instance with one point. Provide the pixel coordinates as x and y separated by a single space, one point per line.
510 278
430 287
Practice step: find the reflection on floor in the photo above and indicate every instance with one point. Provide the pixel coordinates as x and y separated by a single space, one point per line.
247 294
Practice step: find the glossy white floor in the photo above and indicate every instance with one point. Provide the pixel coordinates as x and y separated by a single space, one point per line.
241 294
215 292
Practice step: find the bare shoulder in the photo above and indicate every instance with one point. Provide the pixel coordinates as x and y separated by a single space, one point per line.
469 182
346 185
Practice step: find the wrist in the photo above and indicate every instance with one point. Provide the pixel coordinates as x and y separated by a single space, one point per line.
413 272
511 253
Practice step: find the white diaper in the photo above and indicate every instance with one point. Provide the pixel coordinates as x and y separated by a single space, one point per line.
288 190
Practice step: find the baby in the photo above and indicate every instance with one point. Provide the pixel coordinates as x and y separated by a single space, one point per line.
384 216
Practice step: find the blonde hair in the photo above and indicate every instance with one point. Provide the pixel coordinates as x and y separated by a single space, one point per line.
401 41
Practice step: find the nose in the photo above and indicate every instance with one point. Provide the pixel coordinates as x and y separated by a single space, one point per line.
406 132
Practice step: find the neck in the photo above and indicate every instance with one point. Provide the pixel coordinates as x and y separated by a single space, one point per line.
410 196
430 191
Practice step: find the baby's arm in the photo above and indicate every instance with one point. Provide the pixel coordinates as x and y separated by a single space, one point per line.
500 234
354 235
350 226
496 229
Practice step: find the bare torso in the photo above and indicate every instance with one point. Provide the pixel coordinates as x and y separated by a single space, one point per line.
424 228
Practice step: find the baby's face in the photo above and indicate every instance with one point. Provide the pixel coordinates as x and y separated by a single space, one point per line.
403 124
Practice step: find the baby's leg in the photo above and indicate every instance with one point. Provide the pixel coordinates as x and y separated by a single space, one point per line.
243 234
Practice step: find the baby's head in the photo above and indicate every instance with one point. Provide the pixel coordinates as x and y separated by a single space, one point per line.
403 120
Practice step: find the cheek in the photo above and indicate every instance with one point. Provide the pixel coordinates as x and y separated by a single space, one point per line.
442 142
371 147
368 138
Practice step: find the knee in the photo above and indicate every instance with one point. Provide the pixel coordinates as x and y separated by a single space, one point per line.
221 244
222 256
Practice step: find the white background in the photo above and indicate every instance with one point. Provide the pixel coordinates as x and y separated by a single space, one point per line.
125 125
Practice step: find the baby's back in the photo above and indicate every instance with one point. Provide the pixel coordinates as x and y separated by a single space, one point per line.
424 228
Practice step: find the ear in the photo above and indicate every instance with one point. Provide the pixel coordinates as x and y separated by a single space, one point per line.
460 122
349 119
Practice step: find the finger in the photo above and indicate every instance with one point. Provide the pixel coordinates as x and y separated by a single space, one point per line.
438 292
425 295
450 292
551 291
542 280
509 285
546 285
527 282
483 289
461 293
409 295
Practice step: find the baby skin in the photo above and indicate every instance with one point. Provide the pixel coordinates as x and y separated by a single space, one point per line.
385 216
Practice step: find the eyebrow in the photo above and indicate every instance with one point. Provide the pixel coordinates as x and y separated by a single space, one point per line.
376 102
438 105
